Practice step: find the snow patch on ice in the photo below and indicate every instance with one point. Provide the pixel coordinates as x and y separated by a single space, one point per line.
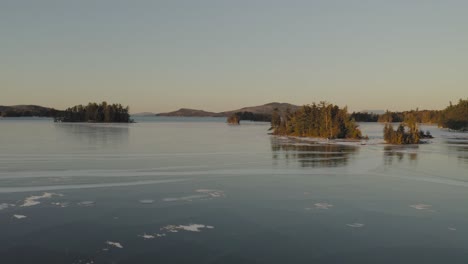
5 206
421 206
355 225
323 205
212 193
185 198
19 216
146 236
146 201
204 193
61 204
86 203
34 200
190 227
114 244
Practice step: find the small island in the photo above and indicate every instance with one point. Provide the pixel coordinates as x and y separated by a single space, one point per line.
95 113
406 133
321 120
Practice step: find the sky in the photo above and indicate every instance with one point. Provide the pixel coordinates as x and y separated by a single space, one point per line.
221 55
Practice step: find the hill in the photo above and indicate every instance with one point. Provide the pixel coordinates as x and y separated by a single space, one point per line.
266 109
188 113
26 110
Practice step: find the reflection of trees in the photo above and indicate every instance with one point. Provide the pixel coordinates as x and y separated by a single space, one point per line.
310 154
105 134
458 146
398 153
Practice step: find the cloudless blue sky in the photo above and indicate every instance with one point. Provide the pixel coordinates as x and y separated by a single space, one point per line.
221 55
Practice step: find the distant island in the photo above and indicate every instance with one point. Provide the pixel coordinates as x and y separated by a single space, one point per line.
95 113
323 120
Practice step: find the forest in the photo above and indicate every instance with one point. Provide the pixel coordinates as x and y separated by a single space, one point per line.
455 116
248 116
95 113
322 120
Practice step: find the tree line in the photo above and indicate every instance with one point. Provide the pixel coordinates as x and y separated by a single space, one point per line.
453 116
323 120
96 113
248 116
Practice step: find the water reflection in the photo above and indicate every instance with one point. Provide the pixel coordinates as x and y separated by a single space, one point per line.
309 154
95 134
459 146
398 153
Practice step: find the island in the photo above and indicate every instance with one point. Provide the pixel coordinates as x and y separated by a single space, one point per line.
95 113
323 120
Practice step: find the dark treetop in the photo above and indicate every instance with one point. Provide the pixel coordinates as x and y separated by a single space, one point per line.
96 113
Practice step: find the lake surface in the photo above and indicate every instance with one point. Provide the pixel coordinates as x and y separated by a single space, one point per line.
178 190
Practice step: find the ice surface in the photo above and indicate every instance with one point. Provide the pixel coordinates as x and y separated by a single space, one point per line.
82 186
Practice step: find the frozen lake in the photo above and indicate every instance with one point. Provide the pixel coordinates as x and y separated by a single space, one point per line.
181 190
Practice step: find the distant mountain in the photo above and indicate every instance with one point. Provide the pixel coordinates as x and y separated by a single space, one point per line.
26 110
188 113
266 109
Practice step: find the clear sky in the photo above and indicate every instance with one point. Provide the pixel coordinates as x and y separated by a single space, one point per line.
221 55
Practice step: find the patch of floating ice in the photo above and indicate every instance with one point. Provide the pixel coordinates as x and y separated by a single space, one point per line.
452 229
160 235
86 203
33 200
146 201
204 193
185 198
191 228
63 204
323 205
146 236
114 244
19 216
421 206
5 206
212 193
355 225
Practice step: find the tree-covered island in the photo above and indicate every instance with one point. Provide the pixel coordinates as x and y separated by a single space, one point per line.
321 120
95 113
